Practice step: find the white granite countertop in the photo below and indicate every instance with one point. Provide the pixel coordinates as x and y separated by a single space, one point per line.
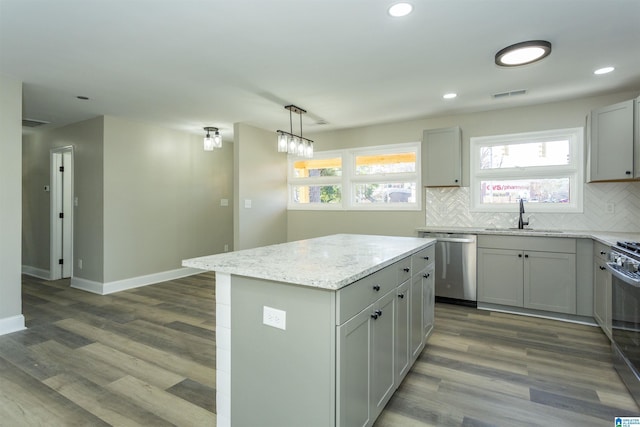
329 262
605 237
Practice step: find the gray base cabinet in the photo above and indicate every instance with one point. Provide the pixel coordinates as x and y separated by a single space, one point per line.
378 344
601 288
518 272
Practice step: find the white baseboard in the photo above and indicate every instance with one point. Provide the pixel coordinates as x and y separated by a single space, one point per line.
131 283
40 273
12 324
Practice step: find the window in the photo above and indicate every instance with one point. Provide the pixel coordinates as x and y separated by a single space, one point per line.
544 169
371 178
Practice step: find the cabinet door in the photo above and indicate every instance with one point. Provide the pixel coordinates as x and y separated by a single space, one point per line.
441 157
402 331
602 295
550 281
416 313
382 352
428 307
611 143
354 369
500 273
636 140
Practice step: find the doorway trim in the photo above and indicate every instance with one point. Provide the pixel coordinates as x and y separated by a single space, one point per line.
61 202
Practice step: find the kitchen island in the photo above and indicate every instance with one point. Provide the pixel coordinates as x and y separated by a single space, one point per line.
318 332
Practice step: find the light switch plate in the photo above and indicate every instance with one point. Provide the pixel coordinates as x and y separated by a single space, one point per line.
224 202
274 317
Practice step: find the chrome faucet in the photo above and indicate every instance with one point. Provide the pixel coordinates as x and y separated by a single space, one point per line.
521 222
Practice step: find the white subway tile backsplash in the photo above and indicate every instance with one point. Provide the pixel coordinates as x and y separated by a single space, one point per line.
450 207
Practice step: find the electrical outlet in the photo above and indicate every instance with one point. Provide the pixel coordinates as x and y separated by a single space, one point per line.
274 317
226 248
224 202
610 208
247 204
80 263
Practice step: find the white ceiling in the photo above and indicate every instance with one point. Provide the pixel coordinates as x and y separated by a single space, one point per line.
191 63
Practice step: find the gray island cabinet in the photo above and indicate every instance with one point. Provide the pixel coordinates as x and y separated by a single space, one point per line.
318 332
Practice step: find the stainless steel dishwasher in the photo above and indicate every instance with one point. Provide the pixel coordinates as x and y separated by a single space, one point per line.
455 267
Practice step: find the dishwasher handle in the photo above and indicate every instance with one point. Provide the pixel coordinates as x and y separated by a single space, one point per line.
454 240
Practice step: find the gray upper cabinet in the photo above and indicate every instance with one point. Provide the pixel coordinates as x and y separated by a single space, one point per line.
442 157
611 142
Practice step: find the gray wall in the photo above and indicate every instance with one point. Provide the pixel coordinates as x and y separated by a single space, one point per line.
162 196
86 137
568 114
10 194
148 197
260 175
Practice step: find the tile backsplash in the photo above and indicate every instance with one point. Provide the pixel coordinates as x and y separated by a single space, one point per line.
450 207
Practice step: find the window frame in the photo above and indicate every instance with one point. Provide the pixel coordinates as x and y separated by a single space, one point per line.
574 170
350 179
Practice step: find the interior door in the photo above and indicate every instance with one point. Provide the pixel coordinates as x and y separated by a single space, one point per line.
61 213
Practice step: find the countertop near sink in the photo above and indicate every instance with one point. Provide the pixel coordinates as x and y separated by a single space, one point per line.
605 237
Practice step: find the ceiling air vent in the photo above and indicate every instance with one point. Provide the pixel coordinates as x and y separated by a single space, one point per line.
32 123
509 94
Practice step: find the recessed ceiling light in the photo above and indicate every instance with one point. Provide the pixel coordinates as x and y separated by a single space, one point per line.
604 70
449 95
523 53
400 9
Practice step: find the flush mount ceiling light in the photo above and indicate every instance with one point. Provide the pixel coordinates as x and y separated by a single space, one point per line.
211 142
604 70
399 10
290 143
523 53
449 95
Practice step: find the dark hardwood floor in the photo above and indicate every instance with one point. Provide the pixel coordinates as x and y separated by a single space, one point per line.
146 357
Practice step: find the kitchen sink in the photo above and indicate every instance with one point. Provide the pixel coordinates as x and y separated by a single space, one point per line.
527 230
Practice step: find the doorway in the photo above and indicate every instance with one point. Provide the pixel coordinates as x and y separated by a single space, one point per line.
61 213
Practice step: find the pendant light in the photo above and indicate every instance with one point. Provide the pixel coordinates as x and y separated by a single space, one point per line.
293 144
211 142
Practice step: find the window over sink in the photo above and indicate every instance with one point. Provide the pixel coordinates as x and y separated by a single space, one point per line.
544 169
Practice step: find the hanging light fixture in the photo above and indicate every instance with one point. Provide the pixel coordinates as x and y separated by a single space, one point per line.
290 143
211 142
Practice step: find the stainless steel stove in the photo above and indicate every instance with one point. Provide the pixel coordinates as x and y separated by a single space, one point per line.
624 265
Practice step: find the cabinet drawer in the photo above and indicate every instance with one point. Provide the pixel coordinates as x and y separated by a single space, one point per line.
420 260
403 270
601 251
355 297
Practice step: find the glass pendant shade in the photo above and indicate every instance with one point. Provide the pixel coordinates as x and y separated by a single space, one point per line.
217 140
208 143
309 150
293 145
301 148
282 143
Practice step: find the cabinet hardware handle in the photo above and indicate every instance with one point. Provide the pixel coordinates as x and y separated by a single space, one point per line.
376 288
519 255
602 268
426 257
406 269
401 296
379 313
603 253
426 276
374 316
628 172
526 255
456 180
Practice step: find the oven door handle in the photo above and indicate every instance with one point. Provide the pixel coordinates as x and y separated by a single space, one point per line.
626 279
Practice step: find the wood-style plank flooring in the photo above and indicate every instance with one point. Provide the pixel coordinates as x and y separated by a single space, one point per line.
146 357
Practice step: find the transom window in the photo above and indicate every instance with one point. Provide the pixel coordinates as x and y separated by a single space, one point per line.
544 169
378 178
